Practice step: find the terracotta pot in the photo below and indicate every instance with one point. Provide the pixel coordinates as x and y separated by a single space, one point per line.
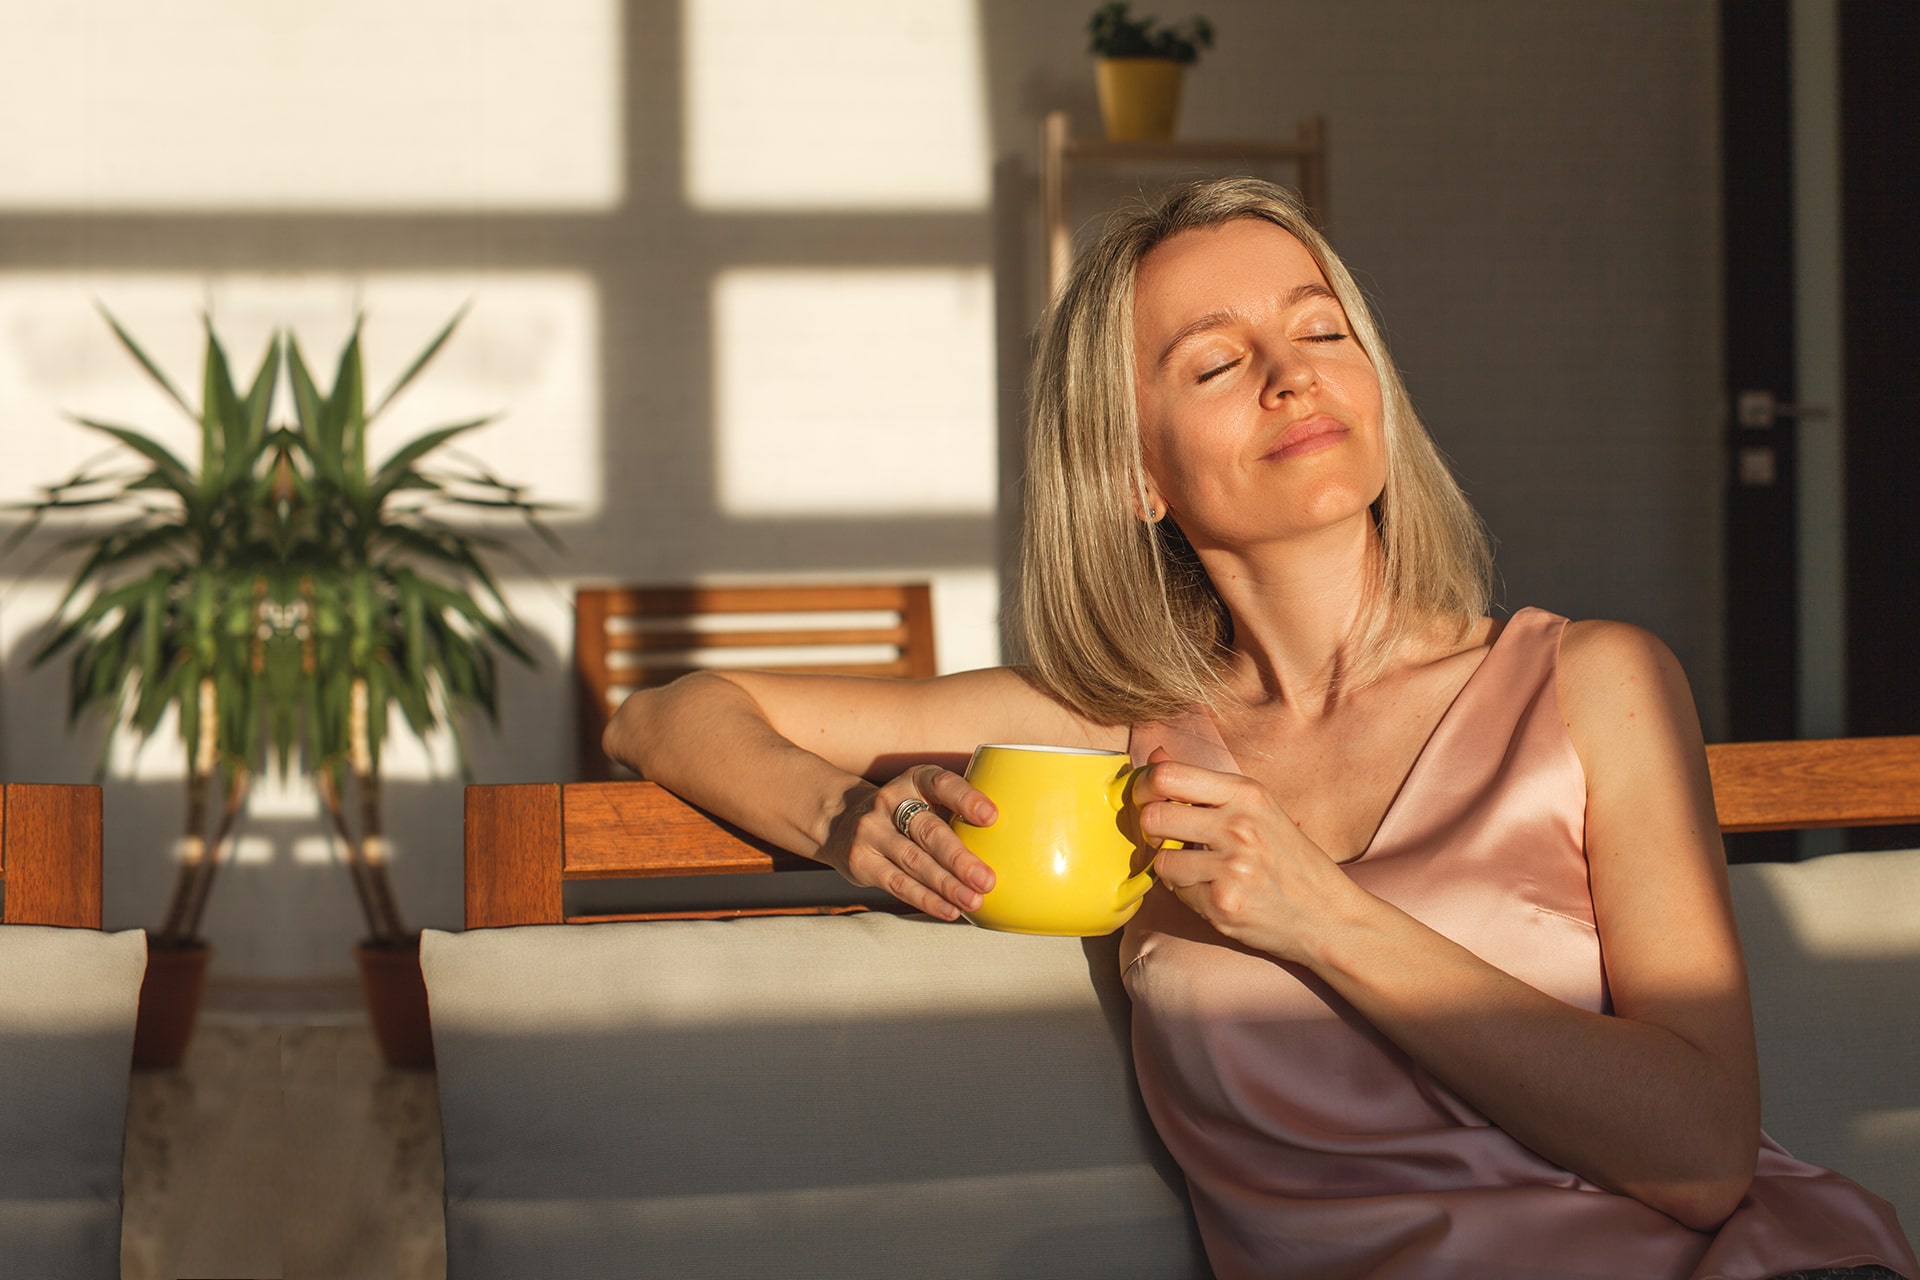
397 1002
1139 97
169 1003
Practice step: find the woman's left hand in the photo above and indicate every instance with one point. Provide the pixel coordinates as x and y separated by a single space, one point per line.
1255 876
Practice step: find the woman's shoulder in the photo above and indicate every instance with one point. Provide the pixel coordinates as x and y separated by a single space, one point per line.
1601 650
1617 680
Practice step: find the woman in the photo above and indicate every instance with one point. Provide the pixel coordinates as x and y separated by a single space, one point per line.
1446 980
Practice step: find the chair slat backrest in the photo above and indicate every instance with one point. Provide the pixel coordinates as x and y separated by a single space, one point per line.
524 842
637 637
50 854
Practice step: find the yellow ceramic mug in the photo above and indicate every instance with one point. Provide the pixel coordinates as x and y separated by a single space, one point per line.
1061 863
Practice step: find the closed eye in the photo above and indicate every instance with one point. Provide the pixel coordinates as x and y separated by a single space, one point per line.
1217 370
1325 337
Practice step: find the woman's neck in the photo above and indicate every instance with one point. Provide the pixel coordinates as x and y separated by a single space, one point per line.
1295 606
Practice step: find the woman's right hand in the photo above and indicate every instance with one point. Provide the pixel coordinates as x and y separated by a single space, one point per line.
928 868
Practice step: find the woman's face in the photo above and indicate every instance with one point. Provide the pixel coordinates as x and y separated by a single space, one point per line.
1260 416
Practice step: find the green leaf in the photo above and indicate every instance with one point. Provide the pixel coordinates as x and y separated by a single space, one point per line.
178 477
153 619
186 695
107 602
259 401
420 361
126 340
376 711
347 412
394 470
414 611
219 409
117 548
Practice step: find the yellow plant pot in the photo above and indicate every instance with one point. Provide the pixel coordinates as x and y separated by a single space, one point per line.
1139 97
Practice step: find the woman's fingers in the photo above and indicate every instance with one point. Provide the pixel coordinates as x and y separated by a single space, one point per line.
955 794
952 792
925 865
1163 778
909 873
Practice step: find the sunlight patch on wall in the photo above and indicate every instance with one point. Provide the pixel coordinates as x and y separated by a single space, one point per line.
314 851
527 351
867 104
353 104
966 618
854 393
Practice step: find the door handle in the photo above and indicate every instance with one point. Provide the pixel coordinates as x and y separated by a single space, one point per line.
1761 409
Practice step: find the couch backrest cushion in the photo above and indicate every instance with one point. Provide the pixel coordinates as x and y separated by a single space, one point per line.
67 1004
825 1096
1833 954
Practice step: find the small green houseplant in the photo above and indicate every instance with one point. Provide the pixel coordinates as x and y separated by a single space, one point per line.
1139 66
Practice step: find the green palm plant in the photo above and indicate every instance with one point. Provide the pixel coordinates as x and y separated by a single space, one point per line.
166 609
382 605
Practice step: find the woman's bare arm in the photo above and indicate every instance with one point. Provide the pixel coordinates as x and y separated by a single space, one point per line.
1659 1100
816 764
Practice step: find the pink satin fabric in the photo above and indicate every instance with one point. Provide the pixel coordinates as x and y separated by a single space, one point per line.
1314 1147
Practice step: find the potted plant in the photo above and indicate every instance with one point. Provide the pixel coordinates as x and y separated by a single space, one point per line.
383 607
282 598
1138 69
164 614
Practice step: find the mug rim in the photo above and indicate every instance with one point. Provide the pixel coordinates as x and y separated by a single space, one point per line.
1041 746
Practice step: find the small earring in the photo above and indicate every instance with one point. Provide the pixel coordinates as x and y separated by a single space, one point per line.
1155 514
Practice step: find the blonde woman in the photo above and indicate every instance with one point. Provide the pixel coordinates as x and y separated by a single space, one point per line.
1446 981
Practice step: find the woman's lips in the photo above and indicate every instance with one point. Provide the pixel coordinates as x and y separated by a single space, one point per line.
1306 437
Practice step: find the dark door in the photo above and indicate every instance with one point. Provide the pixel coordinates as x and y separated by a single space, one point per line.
1880 191
1878 135
1761 600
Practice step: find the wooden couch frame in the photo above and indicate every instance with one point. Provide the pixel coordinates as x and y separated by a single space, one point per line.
50 854
524 842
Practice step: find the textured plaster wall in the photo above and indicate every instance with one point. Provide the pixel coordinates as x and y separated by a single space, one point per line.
1527 190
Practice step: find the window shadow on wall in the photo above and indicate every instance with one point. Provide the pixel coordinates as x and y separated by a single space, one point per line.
653 261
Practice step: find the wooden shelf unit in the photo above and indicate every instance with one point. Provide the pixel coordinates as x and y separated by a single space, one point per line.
1306 150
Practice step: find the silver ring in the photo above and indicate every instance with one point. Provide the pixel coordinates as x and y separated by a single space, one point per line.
904 812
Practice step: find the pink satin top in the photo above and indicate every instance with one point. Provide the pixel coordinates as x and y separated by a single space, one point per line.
1313 1147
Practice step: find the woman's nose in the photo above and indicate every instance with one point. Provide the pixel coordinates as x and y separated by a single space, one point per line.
1288 373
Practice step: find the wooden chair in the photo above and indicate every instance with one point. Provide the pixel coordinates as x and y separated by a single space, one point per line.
628 638
50 854
523 842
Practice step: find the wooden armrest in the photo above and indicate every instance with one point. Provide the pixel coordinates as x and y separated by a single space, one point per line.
1831 782
525 842
50 854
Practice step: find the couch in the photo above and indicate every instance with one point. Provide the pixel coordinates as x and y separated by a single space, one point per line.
862 1095
68 995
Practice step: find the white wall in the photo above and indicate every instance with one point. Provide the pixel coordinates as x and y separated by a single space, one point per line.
1527 190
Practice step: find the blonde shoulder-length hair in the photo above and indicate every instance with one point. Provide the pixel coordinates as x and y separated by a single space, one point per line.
1115 615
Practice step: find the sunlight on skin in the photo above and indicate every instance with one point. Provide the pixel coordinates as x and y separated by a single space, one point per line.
353 104
854 104
854 393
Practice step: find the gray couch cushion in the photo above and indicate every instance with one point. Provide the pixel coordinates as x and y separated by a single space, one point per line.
1833 953
67 1004
832 1096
